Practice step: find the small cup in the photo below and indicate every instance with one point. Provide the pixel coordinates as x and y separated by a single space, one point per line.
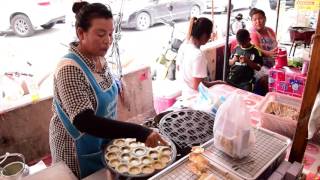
13 170
113 148
133 144
134 170
134 161
139 151
119 142
158 165
125 149
165 159
147 169
122 168
111 155
154 154
125 157
146 160
131 140
114 162
166 151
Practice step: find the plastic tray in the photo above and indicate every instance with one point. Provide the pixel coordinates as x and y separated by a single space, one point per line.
269 147
283 126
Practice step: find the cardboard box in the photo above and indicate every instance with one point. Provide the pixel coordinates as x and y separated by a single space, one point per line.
287 81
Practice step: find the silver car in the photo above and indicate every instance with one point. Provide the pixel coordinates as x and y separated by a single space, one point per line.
141 14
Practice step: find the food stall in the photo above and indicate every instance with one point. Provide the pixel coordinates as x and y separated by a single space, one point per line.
207 161
213 164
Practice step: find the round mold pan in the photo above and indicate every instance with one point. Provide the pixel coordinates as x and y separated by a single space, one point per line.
126 165
187 128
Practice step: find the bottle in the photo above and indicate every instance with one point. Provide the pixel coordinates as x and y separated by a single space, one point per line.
305 67
281 60
33 90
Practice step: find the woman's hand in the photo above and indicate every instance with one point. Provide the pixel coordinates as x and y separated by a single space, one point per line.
154 139
212 83
272 53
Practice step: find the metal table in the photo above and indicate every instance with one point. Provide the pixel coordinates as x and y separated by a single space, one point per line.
269 148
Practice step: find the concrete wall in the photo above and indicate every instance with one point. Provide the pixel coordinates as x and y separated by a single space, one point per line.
25 129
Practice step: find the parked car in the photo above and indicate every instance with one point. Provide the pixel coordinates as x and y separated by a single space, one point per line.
289 4
23 17
141 14
221 5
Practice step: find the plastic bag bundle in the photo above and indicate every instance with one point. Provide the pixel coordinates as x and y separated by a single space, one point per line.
207 102
232 129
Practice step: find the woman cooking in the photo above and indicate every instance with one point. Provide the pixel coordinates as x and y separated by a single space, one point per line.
264 39
85 97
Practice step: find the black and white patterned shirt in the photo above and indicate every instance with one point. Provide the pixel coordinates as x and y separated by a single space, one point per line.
75 94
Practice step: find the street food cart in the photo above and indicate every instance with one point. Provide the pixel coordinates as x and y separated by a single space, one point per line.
270 148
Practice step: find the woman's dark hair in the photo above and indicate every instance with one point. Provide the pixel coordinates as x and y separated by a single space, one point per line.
243 36
201 26
85 12
254 11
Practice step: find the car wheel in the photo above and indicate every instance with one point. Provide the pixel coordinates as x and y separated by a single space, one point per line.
195 11
22 25
48 26
143 21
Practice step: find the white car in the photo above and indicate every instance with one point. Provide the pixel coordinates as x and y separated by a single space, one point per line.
26 16
221 5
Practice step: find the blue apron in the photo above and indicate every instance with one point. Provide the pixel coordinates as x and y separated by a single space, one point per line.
89 148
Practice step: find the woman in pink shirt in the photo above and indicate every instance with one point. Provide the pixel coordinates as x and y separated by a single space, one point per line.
264 39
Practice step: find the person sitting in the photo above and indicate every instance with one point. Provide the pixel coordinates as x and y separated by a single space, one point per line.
191 61
244 60
265 40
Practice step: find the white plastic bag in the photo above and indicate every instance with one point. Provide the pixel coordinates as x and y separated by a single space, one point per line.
232 129
314 121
